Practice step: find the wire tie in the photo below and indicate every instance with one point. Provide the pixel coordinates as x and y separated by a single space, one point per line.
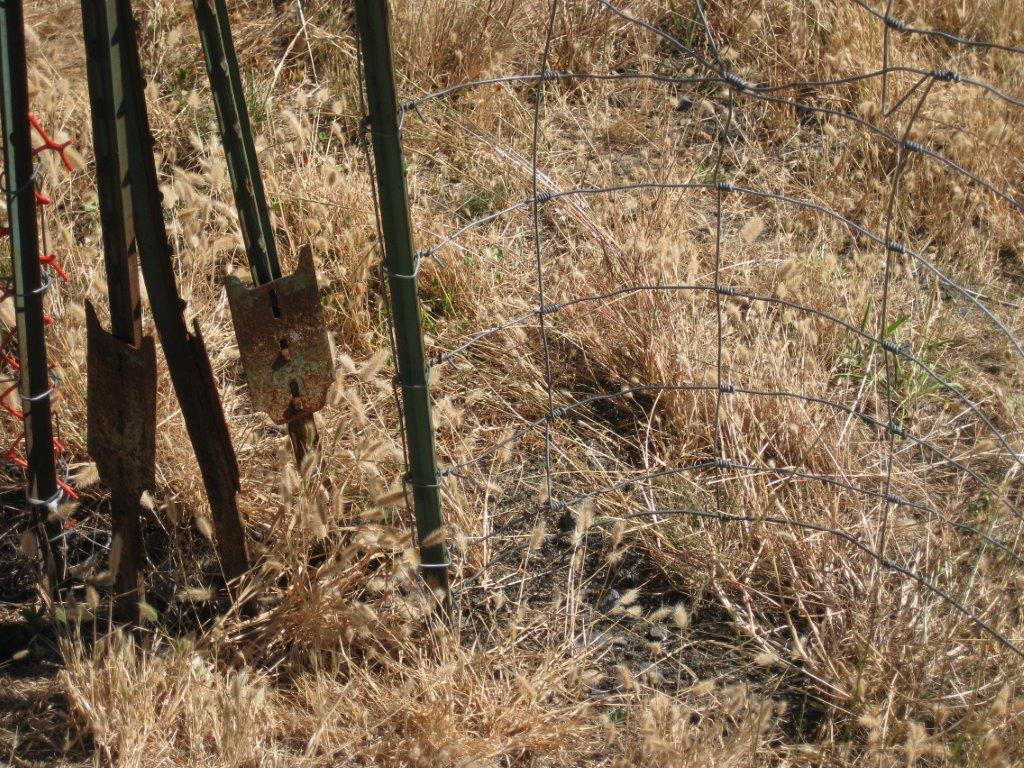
399 276
446 564
399 383
728 389
548 74
725 290
29 182
898 24
721 463
548 309
946 75
724 186
735 81
40 396
556 506
557 413
893 498
544 197
890 346
913 146
896 247
47 283
51 503
43 288
407 480
897 430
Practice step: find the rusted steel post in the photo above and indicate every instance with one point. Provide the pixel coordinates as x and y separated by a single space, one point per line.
283 344
121 398
401 264
284 350
187 360
43 492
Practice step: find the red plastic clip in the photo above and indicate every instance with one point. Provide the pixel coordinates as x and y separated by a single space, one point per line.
7 406
50 260
49 144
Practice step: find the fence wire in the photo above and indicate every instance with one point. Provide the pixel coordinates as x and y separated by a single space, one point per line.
897 435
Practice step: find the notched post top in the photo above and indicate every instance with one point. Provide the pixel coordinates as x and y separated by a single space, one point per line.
282 340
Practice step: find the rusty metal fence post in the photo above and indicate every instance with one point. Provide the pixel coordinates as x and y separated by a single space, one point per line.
279 325
185 352
122 381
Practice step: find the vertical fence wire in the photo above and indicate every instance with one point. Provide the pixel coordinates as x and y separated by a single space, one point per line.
537 248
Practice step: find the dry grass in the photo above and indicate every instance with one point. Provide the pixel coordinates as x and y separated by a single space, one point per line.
729 643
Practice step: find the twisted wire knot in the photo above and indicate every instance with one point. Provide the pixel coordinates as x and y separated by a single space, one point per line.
736 81
946 75
898 24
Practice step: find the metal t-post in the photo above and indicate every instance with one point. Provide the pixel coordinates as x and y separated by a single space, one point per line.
282 338
122 380
236 134
402 268
185 352
43 492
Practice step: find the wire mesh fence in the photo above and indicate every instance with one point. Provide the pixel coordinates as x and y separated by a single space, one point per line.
761 329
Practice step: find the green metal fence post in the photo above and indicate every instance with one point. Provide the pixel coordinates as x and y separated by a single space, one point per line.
401 264
236 134
43 492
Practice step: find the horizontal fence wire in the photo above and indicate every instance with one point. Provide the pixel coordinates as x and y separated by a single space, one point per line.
821 97
903 27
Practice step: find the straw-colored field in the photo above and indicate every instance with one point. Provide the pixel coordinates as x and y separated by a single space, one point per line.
607 632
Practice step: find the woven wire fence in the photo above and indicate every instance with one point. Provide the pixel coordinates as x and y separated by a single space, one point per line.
578 452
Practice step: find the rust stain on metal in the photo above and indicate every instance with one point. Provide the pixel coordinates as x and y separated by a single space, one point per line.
121 409
283 342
